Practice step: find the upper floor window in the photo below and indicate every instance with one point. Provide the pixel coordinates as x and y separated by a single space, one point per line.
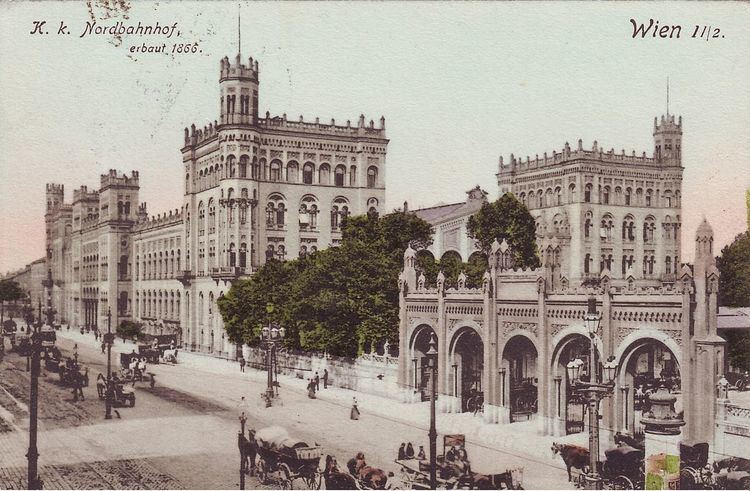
587 193
339 175
275 171
572 193
372 176
243 166
648 197
605 195
628 193
307 173
324 174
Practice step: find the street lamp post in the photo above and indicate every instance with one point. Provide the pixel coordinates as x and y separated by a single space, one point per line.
432 434
109 392
33 455
270 335
241 440
594 390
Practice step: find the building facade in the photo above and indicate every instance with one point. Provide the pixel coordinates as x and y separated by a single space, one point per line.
607 226
255 188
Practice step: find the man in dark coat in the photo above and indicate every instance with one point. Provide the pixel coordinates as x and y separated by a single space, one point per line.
325 378
317 382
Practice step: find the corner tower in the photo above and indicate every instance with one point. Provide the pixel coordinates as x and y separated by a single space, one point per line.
238 86
668 140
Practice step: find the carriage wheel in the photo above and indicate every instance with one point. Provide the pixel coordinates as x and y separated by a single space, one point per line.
690 478
286 476
622 482
314 481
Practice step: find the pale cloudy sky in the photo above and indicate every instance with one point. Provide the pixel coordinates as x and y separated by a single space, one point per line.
458 83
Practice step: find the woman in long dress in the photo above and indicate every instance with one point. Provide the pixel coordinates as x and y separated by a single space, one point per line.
355 410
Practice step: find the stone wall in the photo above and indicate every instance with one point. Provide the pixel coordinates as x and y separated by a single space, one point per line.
370 373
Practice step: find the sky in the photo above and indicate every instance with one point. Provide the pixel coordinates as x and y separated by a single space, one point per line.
459 85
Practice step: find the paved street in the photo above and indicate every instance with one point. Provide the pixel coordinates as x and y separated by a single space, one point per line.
182 433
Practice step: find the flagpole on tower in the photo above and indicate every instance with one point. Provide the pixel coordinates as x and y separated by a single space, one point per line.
667 96
239 30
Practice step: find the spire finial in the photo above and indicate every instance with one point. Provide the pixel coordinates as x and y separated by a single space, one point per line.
239 31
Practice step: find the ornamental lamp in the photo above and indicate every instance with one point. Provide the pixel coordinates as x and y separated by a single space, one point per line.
282 332
574 370
591 319
609 370
274 332
264 332
432 351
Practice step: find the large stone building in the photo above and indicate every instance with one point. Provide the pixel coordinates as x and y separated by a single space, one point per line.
254 188
608 226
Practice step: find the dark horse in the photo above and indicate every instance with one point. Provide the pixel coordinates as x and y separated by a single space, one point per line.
334 478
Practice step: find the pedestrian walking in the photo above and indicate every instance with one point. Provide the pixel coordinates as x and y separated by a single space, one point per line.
325 378
242 364
317 382
104 345
354 414
311 389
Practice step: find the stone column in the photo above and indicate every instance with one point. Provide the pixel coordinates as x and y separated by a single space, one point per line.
542 368
442 335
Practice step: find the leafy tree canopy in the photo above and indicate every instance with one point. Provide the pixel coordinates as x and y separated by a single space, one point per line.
339 299
10 290
734 291
509 219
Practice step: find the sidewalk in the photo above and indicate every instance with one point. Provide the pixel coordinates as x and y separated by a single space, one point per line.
521 438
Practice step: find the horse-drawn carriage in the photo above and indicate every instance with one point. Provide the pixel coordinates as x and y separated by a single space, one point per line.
283 459
623 468
454 474
122 393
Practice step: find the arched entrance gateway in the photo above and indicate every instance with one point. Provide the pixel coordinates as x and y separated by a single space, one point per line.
645 364
569 404
420 369
467 364
518 378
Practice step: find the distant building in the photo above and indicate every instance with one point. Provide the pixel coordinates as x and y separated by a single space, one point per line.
255 189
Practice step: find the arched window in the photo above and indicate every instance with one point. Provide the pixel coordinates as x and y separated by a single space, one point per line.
324 174
628 196
628 229
558 196
307 173
308 211
372 176
572 193
201 219
339 174
275 171
607 228
531 199
540 198
255 171
339 210
618 196
587 226
649 225
230 205
303 251
668 265
587 264
605 195
353 175
292 171
649 194
232 255
587 193
275 210
243 166
243 255
232 166
211 216
280 215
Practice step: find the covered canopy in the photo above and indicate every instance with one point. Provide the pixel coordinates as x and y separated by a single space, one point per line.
277 438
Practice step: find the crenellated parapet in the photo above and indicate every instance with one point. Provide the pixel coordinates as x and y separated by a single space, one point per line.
362 129
158 221
238 70
568 155
83 194
114 178
196 136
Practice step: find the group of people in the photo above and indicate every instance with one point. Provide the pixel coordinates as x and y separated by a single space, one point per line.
313 385
406 452
137 366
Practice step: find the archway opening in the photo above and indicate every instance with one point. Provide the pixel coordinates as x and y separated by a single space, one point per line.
571 403
645 365
520 358
468 368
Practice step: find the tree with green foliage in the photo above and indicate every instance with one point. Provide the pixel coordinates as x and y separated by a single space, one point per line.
10 291
129 330
509 219
339 299
734 291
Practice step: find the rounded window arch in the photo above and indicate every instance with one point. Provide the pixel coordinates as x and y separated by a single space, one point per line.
353 175
372 176
324 174
572 193
372 205
308 212
339 210
243 166
339 174
275 211
275 171
307 172
587 192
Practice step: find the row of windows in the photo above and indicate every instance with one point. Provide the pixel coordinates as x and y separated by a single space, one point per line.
158 304
161 267
618 196
629 227
277 171
628 261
